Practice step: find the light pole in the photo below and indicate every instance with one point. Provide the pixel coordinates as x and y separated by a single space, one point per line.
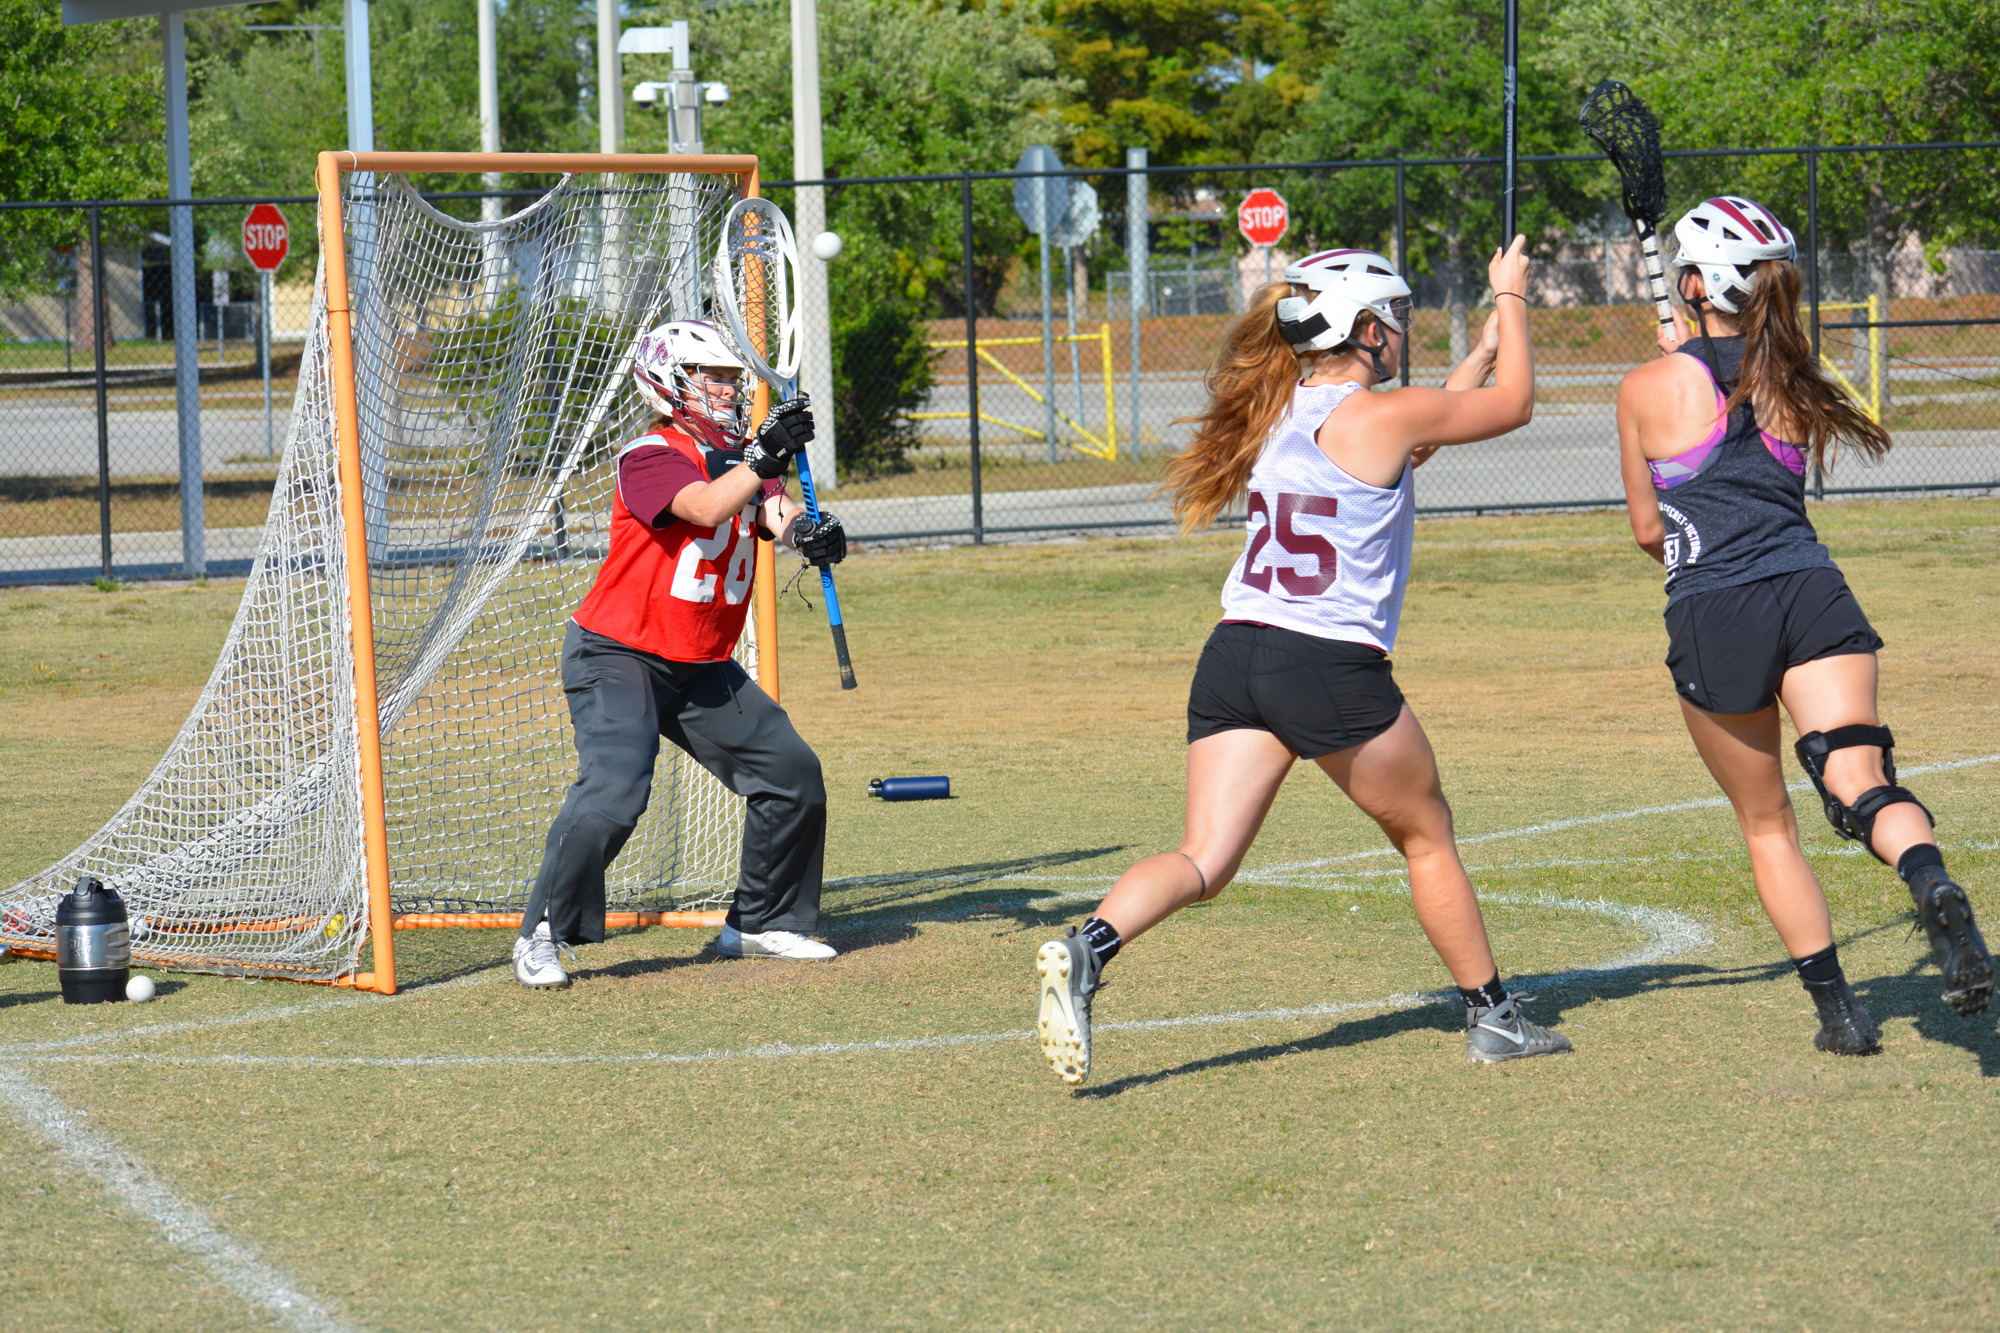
809 209
681 98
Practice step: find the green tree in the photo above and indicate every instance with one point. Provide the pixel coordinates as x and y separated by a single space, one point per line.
1729 73
1425 81
81 117
906 88
1189 81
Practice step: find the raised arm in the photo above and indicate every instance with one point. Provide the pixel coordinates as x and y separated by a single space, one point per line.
1464 411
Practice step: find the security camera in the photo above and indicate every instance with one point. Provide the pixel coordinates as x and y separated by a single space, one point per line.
715 94
648 93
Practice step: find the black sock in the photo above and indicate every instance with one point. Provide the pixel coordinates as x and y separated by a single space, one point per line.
1102 937
1484 997
1820 969
1921 867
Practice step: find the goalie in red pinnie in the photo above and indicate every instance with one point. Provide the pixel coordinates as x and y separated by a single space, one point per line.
648 656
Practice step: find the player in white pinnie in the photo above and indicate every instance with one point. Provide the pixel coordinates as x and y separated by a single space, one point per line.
1299 666
648 656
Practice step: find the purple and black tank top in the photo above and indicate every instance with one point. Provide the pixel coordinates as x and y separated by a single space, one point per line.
1735 504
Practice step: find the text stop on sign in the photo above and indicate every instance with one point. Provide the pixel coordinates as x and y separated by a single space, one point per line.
266 237
1263 217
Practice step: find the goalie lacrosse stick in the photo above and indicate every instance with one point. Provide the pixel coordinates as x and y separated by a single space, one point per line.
755 266
1629 133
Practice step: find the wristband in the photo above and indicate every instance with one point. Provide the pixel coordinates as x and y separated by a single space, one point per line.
1516 295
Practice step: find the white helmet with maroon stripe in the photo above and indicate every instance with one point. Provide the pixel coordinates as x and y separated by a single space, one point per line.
663 366
1343 283
1724 237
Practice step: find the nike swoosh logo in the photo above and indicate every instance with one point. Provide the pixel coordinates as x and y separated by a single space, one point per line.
1516 1038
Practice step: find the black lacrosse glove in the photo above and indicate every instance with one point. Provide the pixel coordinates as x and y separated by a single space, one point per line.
787 428
821 543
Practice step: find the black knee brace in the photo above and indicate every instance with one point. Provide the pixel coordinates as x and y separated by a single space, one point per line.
1855 822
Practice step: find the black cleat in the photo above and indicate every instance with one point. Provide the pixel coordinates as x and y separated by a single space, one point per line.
1844 1026
1946 916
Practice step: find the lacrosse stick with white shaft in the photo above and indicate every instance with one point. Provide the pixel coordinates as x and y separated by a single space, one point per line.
1629 133
756 264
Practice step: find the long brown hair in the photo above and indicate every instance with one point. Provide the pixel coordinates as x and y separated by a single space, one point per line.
1780 370
1249 387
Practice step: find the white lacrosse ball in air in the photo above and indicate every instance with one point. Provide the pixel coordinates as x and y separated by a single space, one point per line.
827 245
139 989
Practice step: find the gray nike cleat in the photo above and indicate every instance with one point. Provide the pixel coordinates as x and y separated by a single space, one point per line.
1503 1032
1067 970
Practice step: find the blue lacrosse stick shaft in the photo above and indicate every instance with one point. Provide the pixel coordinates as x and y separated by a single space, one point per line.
833 621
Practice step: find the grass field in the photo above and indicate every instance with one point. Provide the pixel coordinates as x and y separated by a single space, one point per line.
1281 1131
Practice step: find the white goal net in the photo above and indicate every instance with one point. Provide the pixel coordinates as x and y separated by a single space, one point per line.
491 374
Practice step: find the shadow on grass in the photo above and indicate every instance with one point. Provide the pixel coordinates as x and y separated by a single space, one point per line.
1913 995
886 909
876 910
1918 995
1445 1015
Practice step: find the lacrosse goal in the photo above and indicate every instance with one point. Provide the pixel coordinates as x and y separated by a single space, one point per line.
384 740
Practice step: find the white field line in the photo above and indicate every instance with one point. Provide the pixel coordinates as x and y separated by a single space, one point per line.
268 1013
1558 825
238 1268
186 1227
1669 935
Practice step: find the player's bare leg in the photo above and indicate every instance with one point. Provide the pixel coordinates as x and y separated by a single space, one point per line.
1233 777
1833 698
1742 754
1394 779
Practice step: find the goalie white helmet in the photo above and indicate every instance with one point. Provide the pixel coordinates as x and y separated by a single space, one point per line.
1723 238
1343 283
663 368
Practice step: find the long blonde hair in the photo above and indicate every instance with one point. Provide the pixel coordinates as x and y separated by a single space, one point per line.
1249 388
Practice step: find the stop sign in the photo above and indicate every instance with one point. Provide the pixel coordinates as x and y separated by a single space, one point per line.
266 238
1263 217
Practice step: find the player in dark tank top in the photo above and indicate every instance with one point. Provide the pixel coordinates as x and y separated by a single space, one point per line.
1716 438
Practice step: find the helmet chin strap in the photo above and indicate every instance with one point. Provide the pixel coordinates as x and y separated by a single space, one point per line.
1375 351
1700 307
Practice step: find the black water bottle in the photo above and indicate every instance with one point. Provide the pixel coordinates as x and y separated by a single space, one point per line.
911 789
93 943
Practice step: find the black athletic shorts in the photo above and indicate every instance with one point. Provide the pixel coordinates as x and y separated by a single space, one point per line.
1316 695
1730 648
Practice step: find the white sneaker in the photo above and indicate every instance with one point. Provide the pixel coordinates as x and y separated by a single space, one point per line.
535 962
773 944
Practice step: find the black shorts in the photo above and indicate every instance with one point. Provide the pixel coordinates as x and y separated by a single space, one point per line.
1730 648
1316 695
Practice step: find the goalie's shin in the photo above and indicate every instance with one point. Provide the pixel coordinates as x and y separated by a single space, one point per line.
1856 822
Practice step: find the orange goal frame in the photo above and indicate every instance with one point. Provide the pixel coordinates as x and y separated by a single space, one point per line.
383 921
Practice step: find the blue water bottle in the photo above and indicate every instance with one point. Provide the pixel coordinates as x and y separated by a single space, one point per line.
910 789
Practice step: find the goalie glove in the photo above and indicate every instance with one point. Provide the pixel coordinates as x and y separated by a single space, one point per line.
787 428
821 543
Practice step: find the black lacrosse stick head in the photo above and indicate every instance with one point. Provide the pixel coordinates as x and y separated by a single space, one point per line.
1629 133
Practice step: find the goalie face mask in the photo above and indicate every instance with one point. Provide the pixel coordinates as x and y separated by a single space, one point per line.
686 367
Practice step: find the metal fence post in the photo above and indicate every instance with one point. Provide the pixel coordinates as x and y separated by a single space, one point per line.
103 409
264 338
181 262
1812 285
1137 238
972 363
1403 262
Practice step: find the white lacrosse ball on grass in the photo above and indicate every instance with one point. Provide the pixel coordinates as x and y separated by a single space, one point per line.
827 245
139 989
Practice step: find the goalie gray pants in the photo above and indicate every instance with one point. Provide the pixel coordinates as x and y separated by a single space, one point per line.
621 702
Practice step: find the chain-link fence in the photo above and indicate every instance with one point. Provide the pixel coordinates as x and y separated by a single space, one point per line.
986 387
